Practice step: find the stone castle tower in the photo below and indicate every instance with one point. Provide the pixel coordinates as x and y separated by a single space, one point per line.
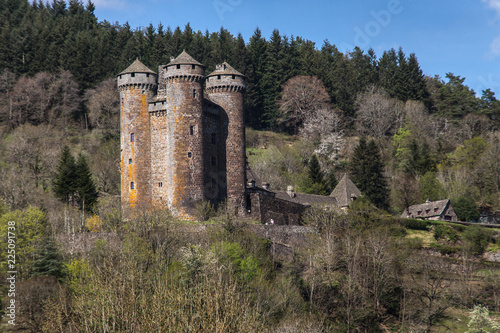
181 143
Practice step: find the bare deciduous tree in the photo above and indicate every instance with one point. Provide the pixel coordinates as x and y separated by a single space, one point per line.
378 115
301 96
44 98
103 104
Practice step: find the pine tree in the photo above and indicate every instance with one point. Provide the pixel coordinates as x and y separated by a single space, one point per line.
315 180
85 188
367 171
64 180
331 181
48 261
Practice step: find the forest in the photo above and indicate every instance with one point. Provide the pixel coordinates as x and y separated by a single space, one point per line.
313 114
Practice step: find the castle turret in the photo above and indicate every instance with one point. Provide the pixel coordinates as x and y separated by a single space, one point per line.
137 85
181 82
225 86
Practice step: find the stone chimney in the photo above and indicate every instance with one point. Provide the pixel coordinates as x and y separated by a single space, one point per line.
290 191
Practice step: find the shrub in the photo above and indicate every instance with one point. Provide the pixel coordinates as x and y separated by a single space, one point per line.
445 249
477 239
415 224
442 231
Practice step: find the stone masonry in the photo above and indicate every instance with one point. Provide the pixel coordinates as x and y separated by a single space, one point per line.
181 143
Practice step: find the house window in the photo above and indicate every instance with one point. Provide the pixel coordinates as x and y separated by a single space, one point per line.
234 77
194 93
160 184
419 212
191 130
129 161
190 154
132 74
193 66
132 186
214 138
178 66
218 77
427 211
132 137
435 210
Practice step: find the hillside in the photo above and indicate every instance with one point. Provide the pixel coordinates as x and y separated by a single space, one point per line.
312 115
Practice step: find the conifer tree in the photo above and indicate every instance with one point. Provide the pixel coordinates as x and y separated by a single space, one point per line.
64 181
315 181
85 187
331 181
367 171
48 261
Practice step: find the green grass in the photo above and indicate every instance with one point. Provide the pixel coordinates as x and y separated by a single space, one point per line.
457 323
427 237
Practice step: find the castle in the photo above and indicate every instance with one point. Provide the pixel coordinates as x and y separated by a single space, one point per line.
183 140
182 136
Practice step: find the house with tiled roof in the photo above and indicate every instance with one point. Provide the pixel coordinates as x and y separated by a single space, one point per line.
286 207
440 210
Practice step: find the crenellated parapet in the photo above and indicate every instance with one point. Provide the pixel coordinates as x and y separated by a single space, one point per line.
225 79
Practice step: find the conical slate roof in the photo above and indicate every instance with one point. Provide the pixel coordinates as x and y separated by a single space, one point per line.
344 190
225 69
137 67
184 59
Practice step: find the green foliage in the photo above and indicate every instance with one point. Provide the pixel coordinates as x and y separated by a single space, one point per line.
30 225
73 181
245 266
477 239
430 187
65 179
415 224
85 188
442 231
466 155
48 261
315 183
466 208
367 171
445 249
410 156
453 98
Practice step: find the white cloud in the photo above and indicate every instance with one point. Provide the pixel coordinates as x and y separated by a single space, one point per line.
495 47
495 4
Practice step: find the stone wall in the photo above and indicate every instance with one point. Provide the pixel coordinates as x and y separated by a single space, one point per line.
136 90
269 209
227 91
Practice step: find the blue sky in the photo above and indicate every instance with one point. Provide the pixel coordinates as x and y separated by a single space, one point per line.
459 36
